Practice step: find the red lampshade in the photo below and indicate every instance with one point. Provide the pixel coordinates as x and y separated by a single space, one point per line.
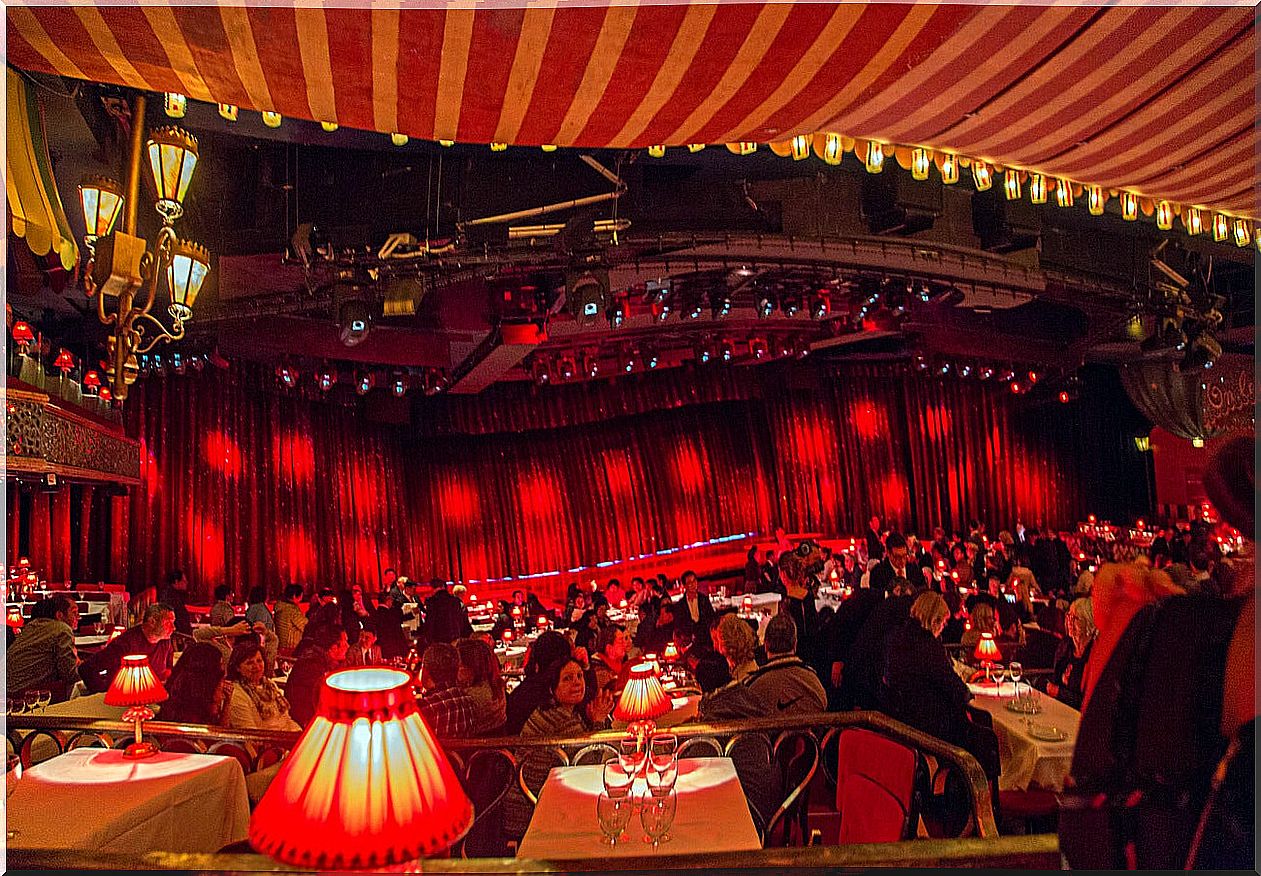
92 380
671 652
64 361
106 395
135 684
22 334
366 785
987 648
643 698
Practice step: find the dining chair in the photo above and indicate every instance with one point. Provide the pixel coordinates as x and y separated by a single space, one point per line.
875 788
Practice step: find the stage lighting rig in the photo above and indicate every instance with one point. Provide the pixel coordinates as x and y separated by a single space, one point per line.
720 303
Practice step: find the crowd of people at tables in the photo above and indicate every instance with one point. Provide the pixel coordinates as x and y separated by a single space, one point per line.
885 646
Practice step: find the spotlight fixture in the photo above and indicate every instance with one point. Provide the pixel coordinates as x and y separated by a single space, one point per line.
651 359
568 367
1015 387
586 292
617 311
1169 335
921 363
765 305
354 321
944 369
657 291
985 372
720 303
791 304
1008 376
325 379
1033 377
628 364
542 371
726 350
400 386
1202 352
591 364
820 304
364 382
965 370
661 312
758 348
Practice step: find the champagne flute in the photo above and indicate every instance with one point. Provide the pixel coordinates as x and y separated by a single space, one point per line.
1015 670
43 698
656 815
614 814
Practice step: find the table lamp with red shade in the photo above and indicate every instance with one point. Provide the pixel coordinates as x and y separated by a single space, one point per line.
137 688
643 701
366 785
987 652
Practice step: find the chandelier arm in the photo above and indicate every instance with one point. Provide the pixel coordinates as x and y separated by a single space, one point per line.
162 334
106 318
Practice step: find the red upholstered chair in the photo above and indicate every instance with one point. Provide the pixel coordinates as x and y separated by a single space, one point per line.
875 788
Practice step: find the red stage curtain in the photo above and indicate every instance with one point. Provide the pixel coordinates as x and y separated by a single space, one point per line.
245 485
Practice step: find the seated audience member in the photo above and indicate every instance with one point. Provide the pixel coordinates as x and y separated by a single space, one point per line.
920 687
256 702
323 649
575 609
481 677
1065 682
638 592
324 610
736 642
860 680
197 691
897 563
956 624
786 684
694 610
652 637
609 660
448 709
614 593
225 637
152 638
43 656
568 711
175 596
984 620
586 629
222 612
257 611
289 619
533 691
722 697
365 651
837 635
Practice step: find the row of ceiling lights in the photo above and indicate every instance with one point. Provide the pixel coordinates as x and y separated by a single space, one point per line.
1019 380
430 380
547 368
919 160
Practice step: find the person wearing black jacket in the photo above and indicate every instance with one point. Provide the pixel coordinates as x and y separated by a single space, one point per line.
694 609
860 678
533 690
445 616
897 563
175 596
875 547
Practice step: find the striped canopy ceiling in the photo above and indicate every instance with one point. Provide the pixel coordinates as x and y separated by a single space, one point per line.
1158 100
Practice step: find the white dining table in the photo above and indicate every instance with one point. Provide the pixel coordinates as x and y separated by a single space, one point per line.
1028 761
93 799
712 815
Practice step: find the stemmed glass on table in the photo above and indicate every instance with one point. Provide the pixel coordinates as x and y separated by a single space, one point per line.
659 805
656 814
614 806
1015 671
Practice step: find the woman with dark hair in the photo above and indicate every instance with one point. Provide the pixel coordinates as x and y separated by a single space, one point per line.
198 691
257 611
256 702
533 692
481 676
562 714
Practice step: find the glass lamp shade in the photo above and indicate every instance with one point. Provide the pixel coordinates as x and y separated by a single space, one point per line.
366 785
23 335
135 684
91 383
643 698
64 361
190 263
987 649
102 200
172 157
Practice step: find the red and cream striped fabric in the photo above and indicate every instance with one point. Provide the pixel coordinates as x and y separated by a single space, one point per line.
1156 99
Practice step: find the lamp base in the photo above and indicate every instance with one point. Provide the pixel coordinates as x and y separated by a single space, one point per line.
140 749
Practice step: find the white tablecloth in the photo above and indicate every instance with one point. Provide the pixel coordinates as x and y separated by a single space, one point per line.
1026 761
93 799
712 815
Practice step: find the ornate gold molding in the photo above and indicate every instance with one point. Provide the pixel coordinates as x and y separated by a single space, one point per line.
42 437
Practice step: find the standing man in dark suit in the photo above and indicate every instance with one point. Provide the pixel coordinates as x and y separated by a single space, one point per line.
445 616
875 548
897 564
695 609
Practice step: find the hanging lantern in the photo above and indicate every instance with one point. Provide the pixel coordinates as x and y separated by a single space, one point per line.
1096 198
498 147
800 147
1241 232
1256 235
398 139
1064 193
982 175
330 127
829 147
1037 188
449 143
1164 215
1129 206
1221 228
744 148
175 104
921 160
101 199
874 161
271 119
546 147
228 111
172 157
190 263
695 147
949 168
1011 184
657 151
1194 220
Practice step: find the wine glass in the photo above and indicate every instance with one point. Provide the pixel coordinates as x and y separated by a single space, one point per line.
663 750
629 754
1015 671
614 814
43 698
661 777
617 780
656 814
